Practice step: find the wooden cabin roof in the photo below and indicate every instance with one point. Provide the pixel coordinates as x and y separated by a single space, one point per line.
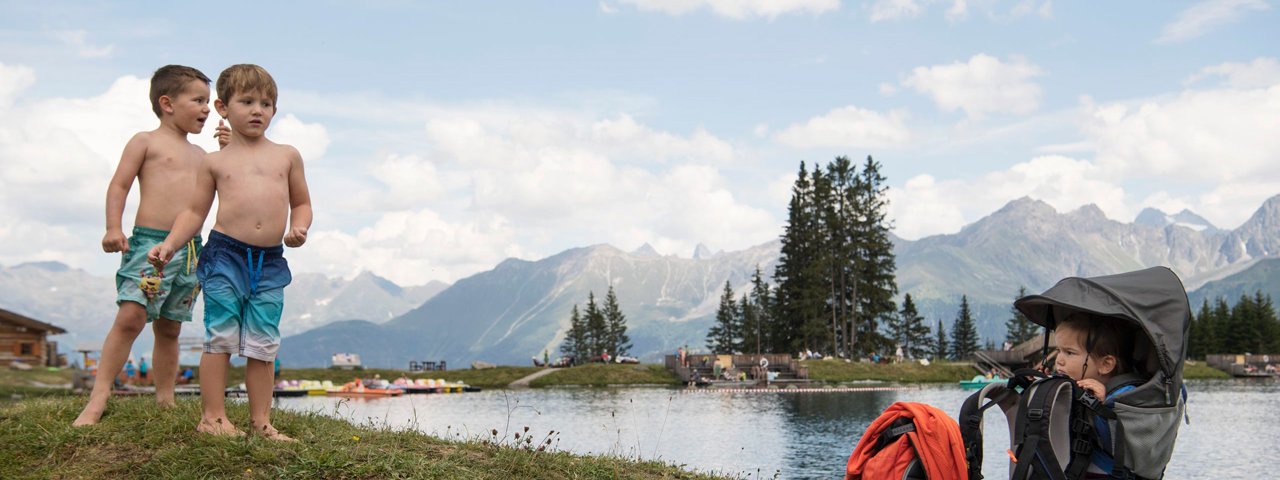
24 321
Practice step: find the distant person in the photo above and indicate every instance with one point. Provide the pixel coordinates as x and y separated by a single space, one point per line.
897 355
262 199
186 376
164 163
129 371
142 370
275 370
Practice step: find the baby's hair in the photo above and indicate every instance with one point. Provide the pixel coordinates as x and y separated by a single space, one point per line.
1103 336
243 78
169 80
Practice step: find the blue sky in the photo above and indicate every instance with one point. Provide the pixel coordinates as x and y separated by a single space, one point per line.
441 138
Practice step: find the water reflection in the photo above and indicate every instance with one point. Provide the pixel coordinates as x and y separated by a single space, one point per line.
1235 425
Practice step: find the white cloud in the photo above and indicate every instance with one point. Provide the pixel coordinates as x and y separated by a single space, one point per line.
926 206
1210 151
311 139
894 10
888 89
737 9
959 10
77 39
1218 136
1206 16
412 247
14 79
982 85
1262 72
606 8
849 127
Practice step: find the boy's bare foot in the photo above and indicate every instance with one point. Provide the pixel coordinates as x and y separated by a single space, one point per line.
89 416
219 427
271 433
165 404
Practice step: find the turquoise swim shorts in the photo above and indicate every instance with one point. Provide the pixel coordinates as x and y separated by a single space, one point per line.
170 293
243 296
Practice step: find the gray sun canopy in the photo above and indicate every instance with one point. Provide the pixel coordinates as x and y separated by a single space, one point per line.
1153 299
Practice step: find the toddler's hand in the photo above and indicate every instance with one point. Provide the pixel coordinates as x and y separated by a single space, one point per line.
115 241
223 134
1095 387
296 237
160 255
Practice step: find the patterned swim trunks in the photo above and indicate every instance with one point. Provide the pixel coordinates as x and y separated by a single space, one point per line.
169 293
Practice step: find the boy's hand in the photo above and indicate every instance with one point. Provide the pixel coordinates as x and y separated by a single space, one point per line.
160 255
1095 387
296 237
115 241
223 134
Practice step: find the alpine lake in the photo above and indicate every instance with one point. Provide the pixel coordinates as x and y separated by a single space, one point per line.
1233 430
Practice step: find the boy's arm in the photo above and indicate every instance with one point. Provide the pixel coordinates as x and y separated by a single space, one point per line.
135 152
189 221
299 202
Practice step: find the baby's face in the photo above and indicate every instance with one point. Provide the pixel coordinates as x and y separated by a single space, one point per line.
1071 355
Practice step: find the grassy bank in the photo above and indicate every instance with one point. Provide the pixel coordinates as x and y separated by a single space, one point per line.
907 372
136 440
1202 371
599 375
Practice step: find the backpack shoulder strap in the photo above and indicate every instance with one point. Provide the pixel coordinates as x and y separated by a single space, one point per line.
971 412
1042 438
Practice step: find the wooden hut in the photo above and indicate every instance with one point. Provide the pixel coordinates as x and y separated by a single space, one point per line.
25 340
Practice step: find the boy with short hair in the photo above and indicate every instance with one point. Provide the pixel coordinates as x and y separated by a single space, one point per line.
164 163
1095 352
262 198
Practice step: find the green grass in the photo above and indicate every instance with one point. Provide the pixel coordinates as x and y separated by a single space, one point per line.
836 371
136 440
9 376
599 375
1194 370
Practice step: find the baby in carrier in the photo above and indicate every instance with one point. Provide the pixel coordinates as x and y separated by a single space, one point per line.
1095 353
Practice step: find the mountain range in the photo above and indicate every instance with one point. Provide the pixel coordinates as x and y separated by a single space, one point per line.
521 308
84 304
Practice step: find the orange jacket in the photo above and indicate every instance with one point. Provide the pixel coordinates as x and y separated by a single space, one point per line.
936 440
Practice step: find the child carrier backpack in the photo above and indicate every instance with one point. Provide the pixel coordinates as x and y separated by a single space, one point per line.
1051 420
909 441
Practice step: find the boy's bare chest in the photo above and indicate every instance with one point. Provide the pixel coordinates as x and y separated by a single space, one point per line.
252 172
162 161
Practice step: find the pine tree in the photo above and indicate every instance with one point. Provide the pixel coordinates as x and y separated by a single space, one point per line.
1019 328
1200 341
616 325
757 319
597 328
875 282
940 349
797 304
746 321
964 334
575 340
1222 325
1270 324
910 331
720 338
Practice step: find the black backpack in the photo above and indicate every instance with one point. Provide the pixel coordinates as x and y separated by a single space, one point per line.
1051 427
